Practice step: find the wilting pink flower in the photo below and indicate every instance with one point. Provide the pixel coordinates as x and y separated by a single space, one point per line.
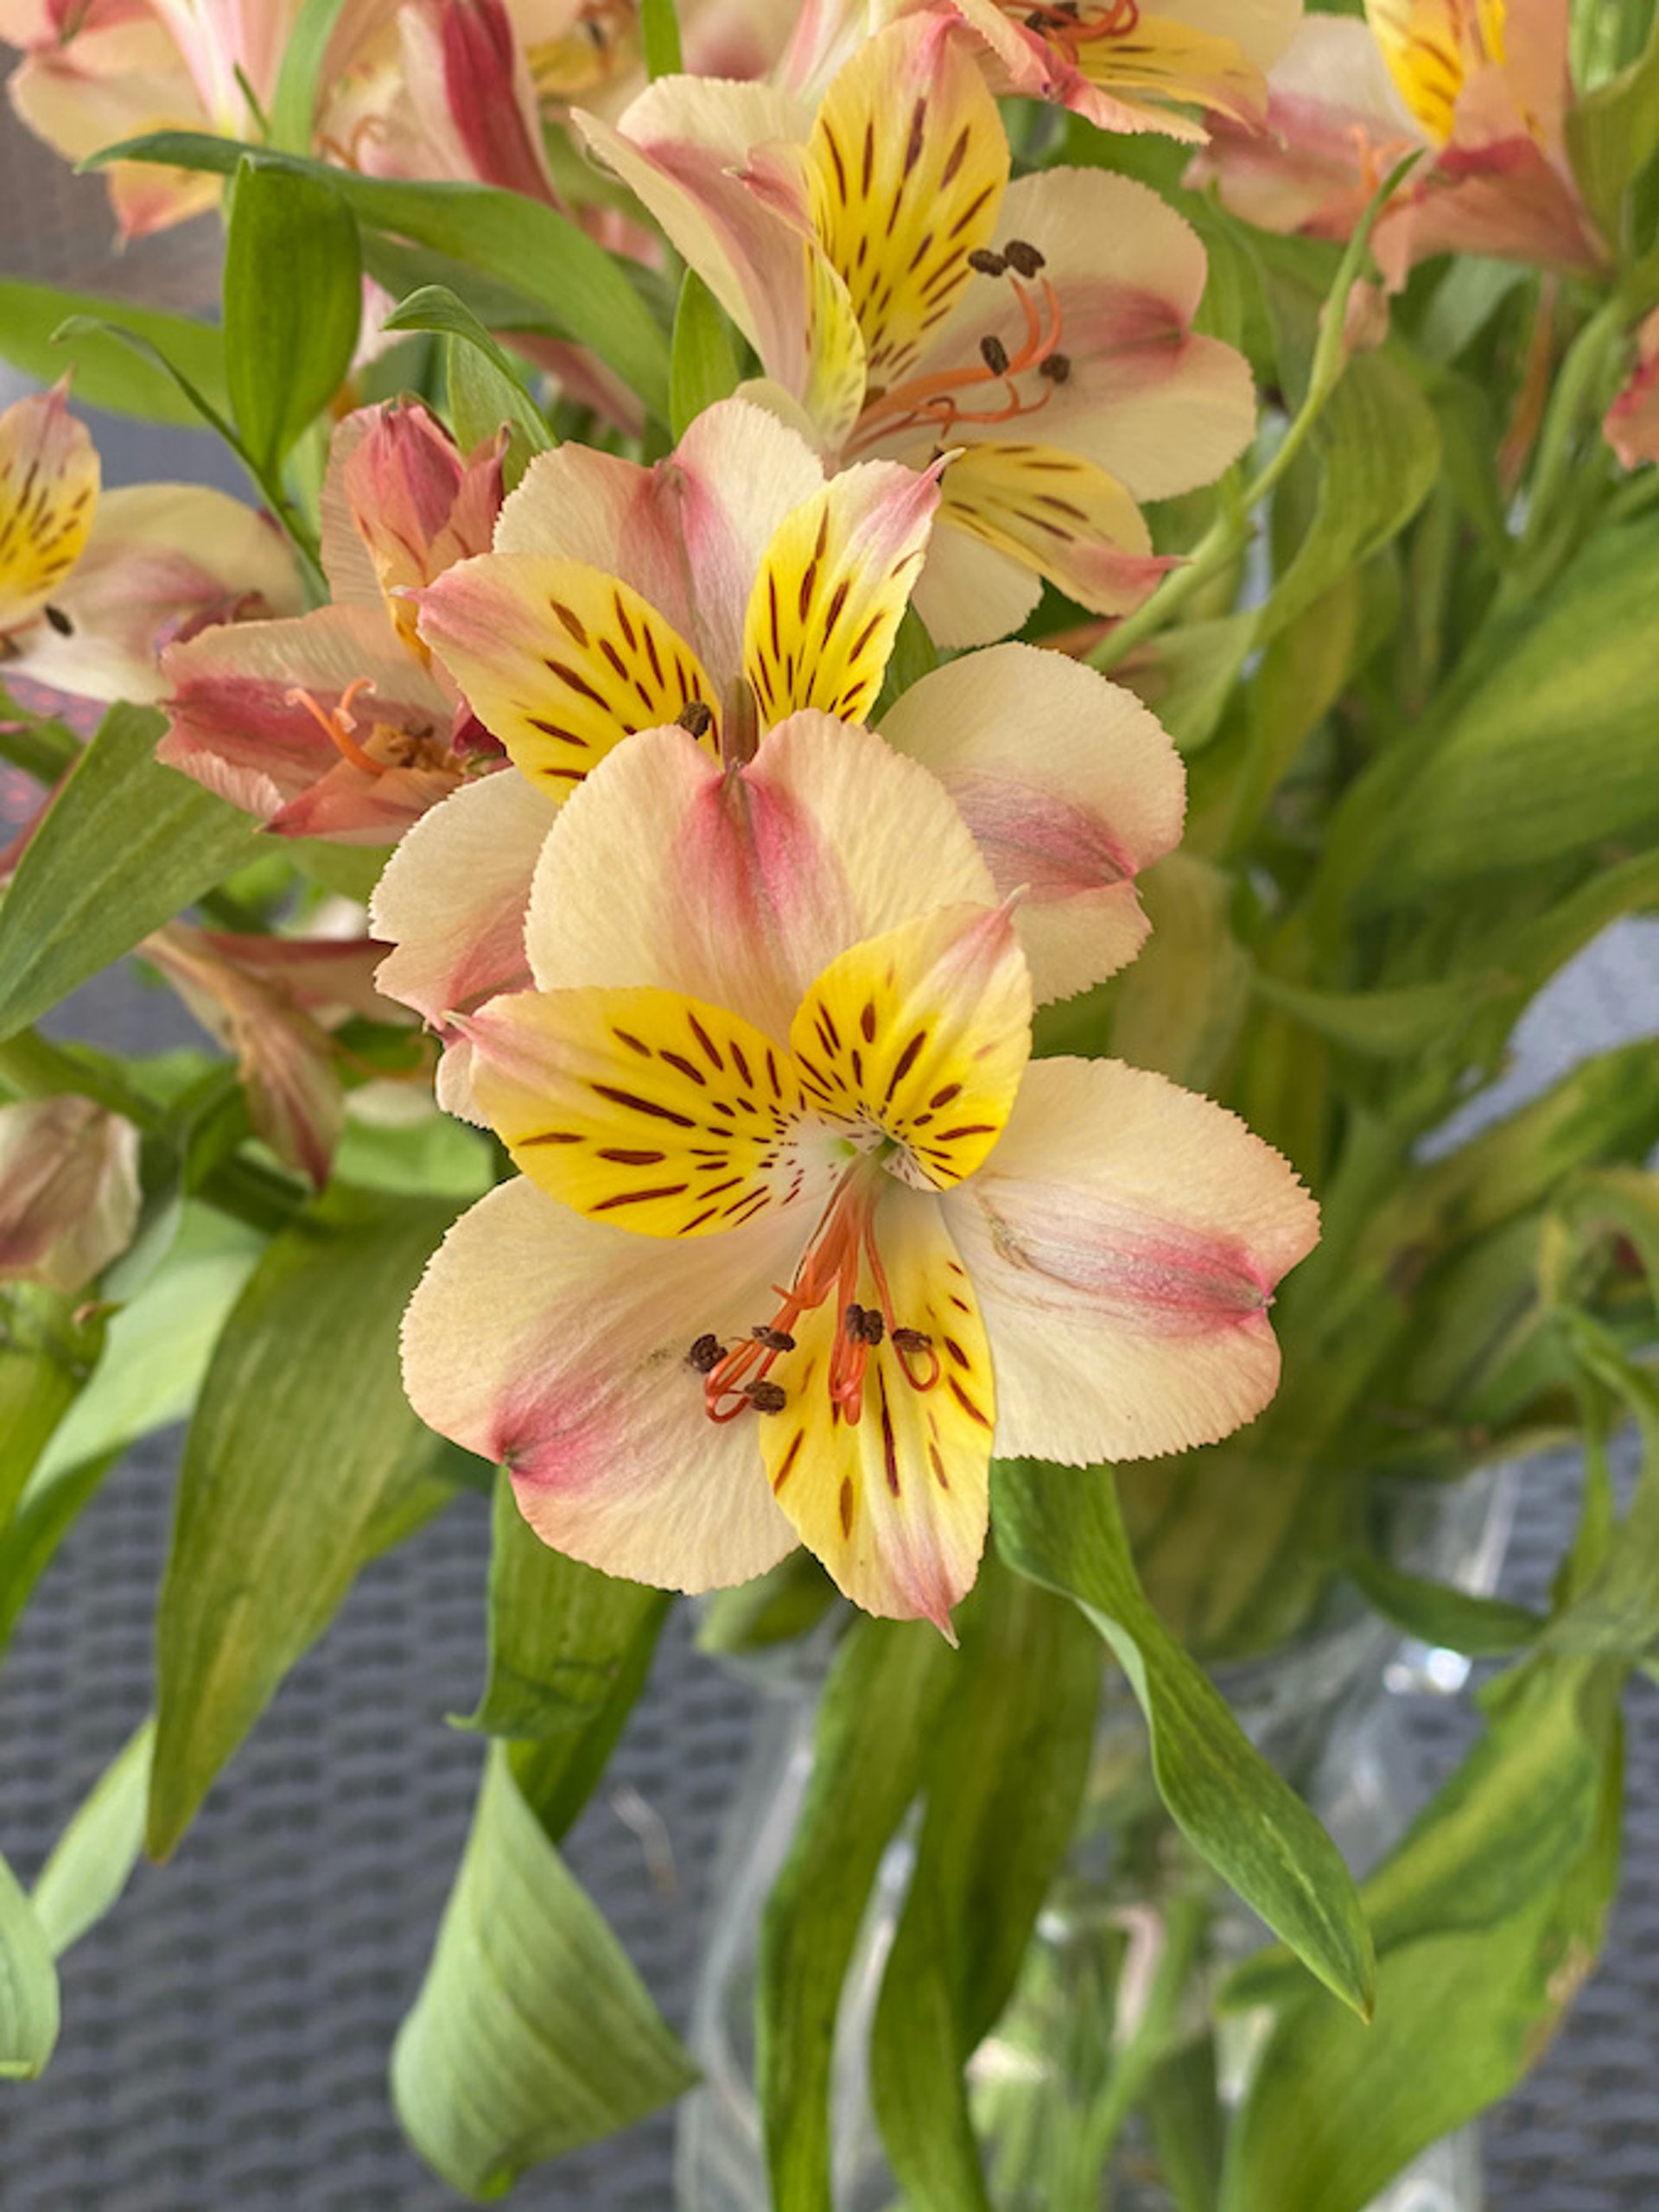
727 588
803 1233
273 1001
1483 85
68 1190
1632 422
907 301
1128 65
93 588
336 724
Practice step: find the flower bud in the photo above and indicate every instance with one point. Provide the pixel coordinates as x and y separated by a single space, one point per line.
68 1190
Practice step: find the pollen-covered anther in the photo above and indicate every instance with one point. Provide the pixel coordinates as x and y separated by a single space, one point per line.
766 1397
863 1325
774 1339
994 354
1023 257
986 262
695 717
706 1353
917 1358
1056 368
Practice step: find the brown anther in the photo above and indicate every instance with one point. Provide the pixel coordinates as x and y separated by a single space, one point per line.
911 1340
706 1354
59 621
986 262
994 354
775 1339
1023 259
1056 368
695 717
1036 20
767 1397
872 1328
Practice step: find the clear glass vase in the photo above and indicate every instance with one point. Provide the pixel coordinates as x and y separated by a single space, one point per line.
1328 1711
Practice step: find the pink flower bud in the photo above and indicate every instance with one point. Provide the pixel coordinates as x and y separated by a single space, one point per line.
488 99
68 1190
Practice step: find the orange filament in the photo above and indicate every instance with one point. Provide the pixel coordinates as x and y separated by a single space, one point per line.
845 1233
932 402
339 726
1069 28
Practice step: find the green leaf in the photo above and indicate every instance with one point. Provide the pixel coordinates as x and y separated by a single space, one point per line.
293 302
126 845
1500 789
486 389
786 1602
46 1356
1189 676
660 27
874 1729
1458 1620
1612 133
301 1435
1180 1007
1488 1915
1062 1528
1003 1783
33 338
93 1860
501 234
294 108
1387 1025
29 1986
531 2034
705 364
559 1631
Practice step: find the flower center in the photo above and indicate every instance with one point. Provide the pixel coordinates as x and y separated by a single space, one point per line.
941 400
1066 24
739 1380
386 745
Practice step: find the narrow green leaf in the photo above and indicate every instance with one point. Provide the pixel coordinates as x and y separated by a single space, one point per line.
44 331
293 109
559 1631
93 1860
201 411
1488 1916
29 1986
125 847
1062 1528
486 389
293 302
301 1435
1458 1620
1386 1025
531 2034
660 27
503 235
1178 1009
1003 1783
1612 133
705 363
875 1727
46 1356
45 1513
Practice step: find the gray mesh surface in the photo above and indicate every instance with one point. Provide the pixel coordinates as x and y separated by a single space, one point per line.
227 2028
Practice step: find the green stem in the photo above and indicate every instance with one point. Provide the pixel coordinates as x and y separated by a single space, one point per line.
44 750
1552 473
1184 1921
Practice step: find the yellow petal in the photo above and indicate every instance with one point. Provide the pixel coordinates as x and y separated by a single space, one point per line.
832 591
908 163
653 1112
1431 46
49 490
560 661
1058 514
895 1503
921 1035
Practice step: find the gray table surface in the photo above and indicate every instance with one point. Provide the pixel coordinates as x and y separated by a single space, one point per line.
227 2028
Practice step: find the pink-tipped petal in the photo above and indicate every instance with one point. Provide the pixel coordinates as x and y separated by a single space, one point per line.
1124 1241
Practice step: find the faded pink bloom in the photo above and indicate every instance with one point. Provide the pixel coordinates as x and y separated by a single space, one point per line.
94 586
803 1233
1632 422
68 1190
1484 88
337 724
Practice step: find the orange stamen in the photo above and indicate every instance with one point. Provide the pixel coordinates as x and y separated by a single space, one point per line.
1073 30
933 401
338 727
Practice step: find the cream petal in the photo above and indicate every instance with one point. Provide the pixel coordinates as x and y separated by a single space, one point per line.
970 593
1123 1242
1070 787
739 888
558 1346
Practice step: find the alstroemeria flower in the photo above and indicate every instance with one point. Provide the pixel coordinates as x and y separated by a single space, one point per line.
1631 424
336 724
907 301
1126 65
69 1191
803 1233
726 589
94 586
1484 85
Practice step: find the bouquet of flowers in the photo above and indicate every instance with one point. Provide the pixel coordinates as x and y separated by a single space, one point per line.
908 691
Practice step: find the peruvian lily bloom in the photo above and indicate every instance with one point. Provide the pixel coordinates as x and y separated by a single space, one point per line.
69 1191
803 1232
94 586
1126 65
336 724
1482 85
725 589
908 303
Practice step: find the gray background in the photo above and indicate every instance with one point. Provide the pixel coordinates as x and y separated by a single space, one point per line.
225 2031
